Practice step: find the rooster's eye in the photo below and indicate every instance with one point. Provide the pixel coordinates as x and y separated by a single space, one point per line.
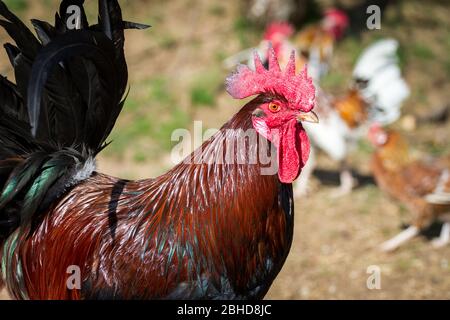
274 107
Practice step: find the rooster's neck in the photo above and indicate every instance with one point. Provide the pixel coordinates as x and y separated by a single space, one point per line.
234 161
232 213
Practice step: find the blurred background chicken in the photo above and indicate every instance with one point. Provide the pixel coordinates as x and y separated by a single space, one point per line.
316 42
422 185
263 12
277 35
376 94
313 43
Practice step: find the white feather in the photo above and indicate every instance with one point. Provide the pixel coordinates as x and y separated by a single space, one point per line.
440 195
374 57
329 135
386 89
331 132
83 171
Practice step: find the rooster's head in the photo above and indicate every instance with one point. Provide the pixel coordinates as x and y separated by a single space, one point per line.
286 100
377 135
335 22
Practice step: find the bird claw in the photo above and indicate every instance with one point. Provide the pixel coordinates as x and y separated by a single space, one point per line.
388 246
439 243
301 190
444 238
348 182
399 239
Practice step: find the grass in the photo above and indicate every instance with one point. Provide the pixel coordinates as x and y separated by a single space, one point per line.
420 95
217 10
332 81
404 264
204 89
168 42
163 133
122 136
421 51
151 114
140 157
246 32
131 105
17 6
158 92
365 147
201 96
372 195
435 149
402 55
352 47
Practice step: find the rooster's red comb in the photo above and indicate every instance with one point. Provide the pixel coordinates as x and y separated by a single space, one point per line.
298 90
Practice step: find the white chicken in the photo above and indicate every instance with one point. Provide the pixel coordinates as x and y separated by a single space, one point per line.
376 95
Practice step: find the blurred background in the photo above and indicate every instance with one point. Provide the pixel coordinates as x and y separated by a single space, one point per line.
177 75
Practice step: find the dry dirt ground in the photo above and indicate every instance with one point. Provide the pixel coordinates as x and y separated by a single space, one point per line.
335 239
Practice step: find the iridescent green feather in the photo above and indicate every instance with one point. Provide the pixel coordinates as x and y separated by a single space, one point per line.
51 172
21 176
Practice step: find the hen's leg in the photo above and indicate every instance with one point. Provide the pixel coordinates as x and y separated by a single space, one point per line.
444 237
347 180
301 187
400 239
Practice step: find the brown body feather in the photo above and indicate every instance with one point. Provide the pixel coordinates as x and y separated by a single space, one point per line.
352 108
314 37
199 231
409 180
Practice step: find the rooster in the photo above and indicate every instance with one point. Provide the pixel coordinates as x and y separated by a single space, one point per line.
375 95
277 35
261 12
421 185
205 229
314 43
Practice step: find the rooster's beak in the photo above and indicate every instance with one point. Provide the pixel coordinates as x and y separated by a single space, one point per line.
308 117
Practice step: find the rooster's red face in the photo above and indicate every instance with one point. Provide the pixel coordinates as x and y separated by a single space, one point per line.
281 125
287 100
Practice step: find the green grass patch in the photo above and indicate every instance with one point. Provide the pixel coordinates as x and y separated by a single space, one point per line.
217 10
163 132
201 96
123 135
435 149
131 105
158 91
246 32
422 52
333 80
204 89
420 95
167 42
352 47
140 157
402 57
365 147
17 6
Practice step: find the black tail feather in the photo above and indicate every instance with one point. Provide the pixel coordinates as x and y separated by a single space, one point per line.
44 31
69 91
17 30
96 50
